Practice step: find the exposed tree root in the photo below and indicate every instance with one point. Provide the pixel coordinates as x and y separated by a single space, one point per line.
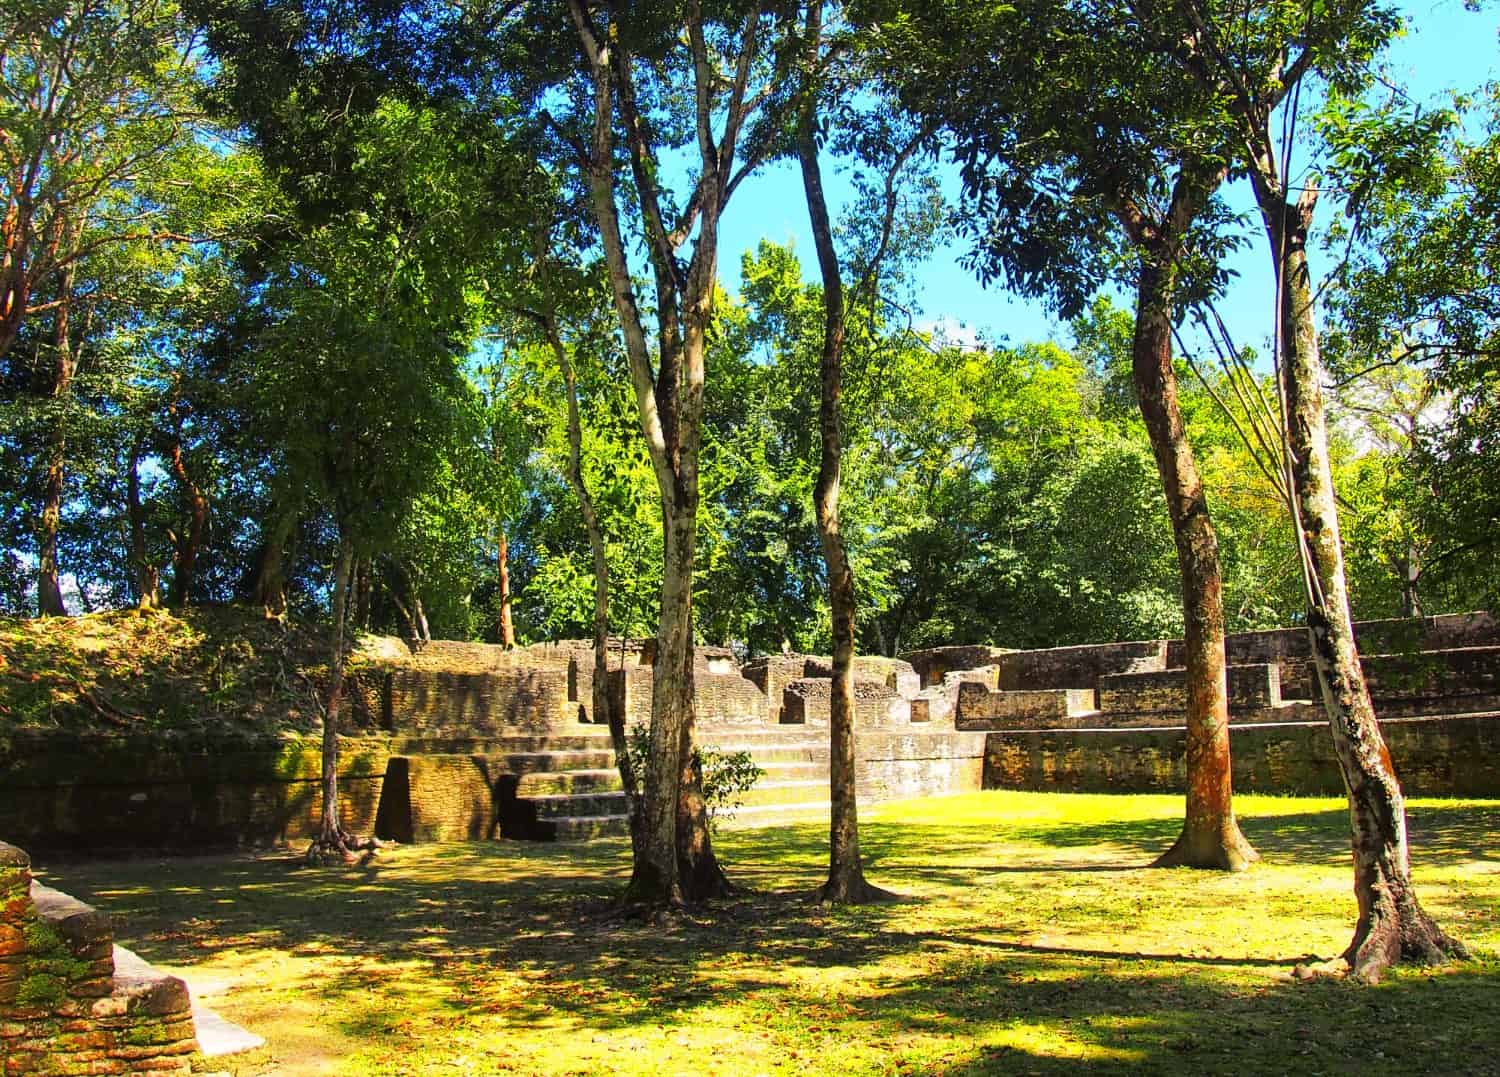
855 890
1397 931
342 848
1219 848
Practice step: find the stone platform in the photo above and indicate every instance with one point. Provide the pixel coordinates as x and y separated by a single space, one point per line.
506 748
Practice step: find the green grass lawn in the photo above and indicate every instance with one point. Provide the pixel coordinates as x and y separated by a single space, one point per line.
1033 942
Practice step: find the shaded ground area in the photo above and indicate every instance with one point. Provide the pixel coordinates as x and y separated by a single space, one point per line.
1034 943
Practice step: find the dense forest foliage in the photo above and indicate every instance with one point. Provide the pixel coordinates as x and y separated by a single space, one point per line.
252 306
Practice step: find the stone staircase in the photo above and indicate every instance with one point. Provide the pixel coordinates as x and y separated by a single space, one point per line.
564 786
565 802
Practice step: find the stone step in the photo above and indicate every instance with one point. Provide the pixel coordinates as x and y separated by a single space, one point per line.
589 827
128 1017
545 783
583 827
607 779
216 1036
553 806
533 762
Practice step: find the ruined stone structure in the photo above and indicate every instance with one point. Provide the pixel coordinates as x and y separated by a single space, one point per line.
70 1003
467 741
1108 718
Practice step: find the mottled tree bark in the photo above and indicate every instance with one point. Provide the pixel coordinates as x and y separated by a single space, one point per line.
676 863
1210 835
602 708
144 577
190 540
1392 925
269 590
502 567
48 583
332 840
846 881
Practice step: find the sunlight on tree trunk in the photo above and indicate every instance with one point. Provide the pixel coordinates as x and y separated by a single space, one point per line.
1392 926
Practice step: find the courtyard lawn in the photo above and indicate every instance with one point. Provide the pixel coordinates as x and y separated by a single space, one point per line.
1033 942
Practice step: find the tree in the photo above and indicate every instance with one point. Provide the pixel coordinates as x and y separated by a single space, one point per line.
1255 62
1069 145
622 55
846 881
1412 312
95 111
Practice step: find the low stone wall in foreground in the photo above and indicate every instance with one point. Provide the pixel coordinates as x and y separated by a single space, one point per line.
63 1008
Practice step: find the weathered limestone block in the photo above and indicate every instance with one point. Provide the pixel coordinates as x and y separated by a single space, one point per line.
1470 671
63 1008
1402 635
894 673
1165 691
1077 667
443 798
1442 681
807 702
896 765
933 664
174 791
515 698
1056 708
725 697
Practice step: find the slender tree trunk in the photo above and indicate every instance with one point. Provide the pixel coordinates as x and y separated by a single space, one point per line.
1392 925
331 837
502 565
1210 835
362 591
698 870
602 707
1411 572
48 584
144 576
185 557
846 877
411 609
677 864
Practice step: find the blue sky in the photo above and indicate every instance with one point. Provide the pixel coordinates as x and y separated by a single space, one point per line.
1447 48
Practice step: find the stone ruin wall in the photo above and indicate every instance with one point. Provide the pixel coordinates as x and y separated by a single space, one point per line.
65 1008
943 720
1109 717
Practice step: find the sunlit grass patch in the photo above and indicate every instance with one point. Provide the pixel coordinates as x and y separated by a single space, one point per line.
1033 939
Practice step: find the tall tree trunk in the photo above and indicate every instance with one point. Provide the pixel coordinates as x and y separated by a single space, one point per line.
48 584
332 840
846 877
411 609
143 574
362 593
603 709
270 573
677 864
698 870
190 540
502 565
1210 835
1392 925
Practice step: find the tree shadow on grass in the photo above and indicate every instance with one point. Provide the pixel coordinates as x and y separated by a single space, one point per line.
1023 1016
474 919
1457 830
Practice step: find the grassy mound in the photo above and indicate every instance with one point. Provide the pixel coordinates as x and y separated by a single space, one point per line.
131 671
